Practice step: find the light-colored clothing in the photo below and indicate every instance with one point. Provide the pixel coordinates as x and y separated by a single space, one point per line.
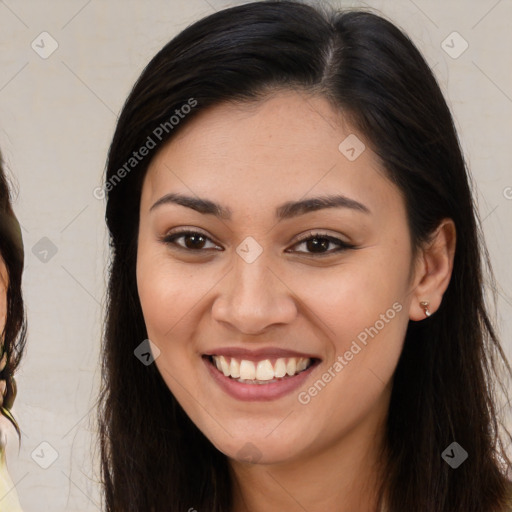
8 495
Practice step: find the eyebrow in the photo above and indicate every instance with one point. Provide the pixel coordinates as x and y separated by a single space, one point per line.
285 211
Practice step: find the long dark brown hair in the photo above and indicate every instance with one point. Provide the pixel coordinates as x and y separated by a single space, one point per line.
153 457
13 337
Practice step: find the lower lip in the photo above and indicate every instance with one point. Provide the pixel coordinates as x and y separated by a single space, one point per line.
258 392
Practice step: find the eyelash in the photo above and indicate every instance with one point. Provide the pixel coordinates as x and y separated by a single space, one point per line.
170 240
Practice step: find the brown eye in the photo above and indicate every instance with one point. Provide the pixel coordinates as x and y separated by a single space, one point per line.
192 240
318 243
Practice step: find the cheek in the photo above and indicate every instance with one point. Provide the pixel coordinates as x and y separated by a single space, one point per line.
166 292
361 307
167 300
159 301
354 295
172 298
364 317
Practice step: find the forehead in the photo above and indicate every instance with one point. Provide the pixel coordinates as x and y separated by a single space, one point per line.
266 152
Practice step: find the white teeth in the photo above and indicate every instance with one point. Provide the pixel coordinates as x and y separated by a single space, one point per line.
224 366
280 368
247 370
234 368
263 370
291 366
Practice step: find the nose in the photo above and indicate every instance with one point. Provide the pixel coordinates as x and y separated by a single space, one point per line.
254 297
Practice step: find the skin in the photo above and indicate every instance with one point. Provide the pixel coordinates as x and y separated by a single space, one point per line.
9 497
252 158
5 424
4 283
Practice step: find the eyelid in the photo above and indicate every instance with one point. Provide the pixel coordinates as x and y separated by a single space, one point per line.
319 234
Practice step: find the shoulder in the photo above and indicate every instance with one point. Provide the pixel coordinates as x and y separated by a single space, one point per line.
8 495
10 502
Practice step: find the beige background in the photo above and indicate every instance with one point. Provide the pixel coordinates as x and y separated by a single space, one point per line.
57 116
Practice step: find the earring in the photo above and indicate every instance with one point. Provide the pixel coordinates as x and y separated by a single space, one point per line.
424 305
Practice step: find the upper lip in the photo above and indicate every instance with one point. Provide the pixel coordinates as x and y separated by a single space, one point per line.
257 354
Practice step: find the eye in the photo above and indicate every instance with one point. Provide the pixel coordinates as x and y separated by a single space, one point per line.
193 240
315 243
318 243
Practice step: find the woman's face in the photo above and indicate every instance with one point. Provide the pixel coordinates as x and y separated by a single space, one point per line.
314 328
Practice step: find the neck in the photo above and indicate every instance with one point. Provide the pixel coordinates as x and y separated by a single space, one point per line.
344 476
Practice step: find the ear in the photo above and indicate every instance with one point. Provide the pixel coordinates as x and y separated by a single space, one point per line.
433 270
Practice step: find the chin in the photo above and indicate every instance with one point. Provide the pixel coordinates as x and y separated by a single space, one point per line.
258 449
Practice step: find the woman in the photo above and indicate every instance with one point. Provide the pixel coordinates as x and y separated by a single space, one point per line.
295 316
13 332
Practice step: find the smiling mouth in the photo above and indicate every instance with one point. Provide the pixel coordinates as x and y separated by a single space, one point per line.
265 371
